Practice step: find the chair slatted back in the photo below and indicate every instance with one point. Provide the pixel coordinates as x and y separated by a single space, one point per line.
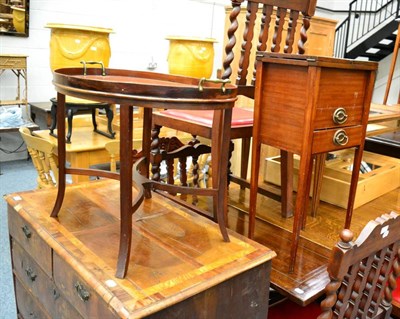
363 273
276 22
43 158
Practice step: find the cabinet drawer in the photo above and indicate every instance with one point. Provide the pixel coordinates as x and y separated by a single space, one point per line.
9 62
42 287
323 141
26 304
78 292
27 237
340 90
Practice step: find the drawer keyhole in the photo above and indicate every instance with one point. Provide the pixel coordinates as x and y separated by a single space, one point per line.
340 116
340 138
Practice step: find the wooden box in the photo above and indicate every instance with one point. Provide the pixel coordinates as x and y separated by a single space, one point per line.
383 177
179 268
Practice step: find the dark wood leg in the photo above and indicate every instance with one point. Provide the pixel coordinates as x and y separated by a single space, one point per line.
53 113
126 162
61 155
287 184
308 177
146 138
255 168
94 122
231 149
183 175
220 139
317 184
244 159
353 184
155 153
70 116
303 188
110 117
195 162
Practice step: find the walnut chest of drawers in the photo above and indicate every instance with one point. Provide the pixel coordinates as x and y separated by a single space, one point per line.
180 266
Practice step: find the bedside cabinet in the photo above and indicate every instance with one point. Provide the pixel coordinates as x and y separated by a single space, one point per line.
309 105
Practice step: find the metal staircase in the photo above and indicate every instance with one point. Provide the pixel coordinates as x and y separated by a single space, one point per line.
369 31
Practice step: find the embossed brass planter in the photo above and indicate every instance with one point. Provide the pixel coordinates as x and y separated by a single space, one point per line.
191 56
70 44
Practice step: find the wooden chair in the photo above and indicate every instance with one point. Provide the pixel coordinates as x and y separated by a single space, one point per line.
43 158
271 23
362 275
113 149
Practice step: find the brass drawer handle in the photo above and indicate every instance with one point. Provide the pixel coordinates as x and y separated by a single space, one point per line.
27 232
340 138
30 273
83 294
340 116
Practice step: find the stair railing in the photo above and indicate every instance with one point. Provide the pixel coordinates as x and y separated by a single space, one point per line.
364 17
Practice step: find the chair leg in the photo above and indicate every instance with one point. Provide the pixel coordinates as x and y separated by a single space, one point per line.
244 159
70 115
155 153
353 185
110 117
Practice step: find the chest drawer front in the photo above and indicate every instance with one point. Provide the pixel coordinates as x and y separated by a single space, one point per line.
27 306
42 287
323 141
29 273
27 237
340 90
78 292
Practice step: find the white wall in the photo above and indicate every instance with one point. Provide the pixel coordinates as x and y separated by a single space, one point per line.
139 34
382 79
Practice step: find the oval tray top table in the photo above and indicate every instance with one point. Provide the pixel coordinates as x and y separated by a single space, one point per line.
148 90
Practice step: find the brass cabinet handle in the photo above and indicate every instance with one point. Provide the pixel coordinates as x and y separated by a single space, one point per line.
30 273
83 294
340 116
27 232
340 138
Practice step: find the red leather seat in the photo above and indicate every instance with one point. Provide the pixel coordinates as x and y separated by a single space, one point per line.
240 116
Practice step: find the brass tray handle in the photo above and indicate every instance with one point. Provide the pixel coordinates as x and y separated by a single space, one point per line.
103 70
340 138
223 83
340 116
83 294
